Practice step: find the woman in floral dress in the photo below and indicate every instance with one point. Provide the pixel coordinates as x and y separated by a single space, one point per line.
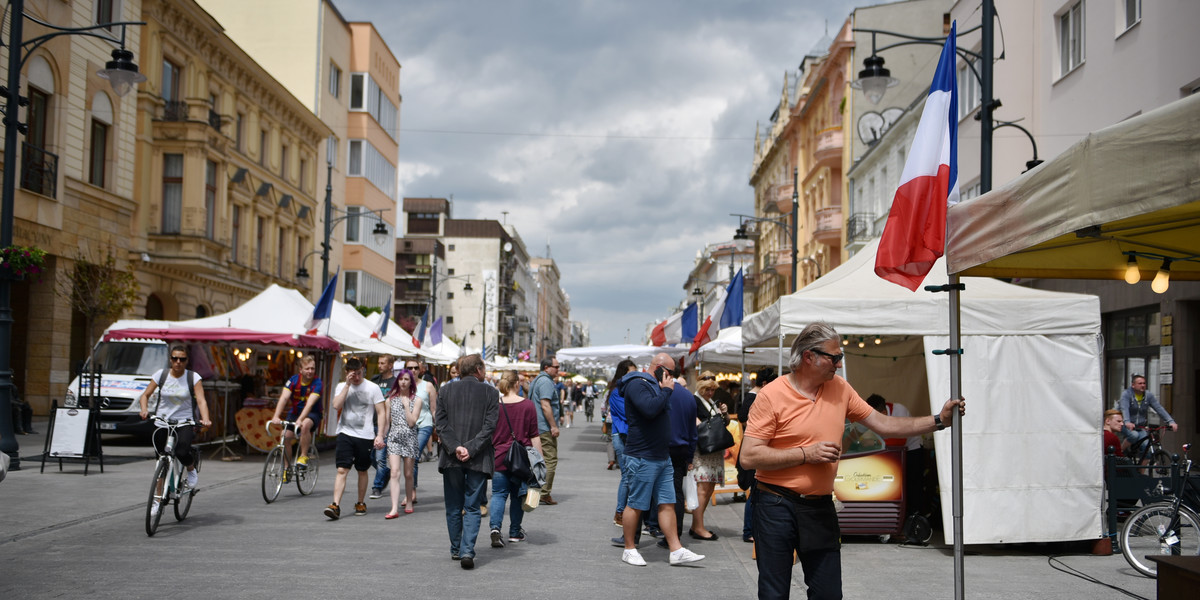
404 407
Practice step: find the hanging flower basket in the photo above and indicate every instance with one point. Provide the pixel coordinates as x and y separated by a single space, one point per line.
18 262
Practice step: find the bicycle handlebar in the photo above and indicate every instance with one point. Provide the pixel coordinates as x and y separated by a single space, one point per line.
172 422
284 424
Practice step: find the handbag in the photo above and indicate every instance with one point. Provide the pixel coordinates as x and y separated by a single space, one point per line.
711 434
516 461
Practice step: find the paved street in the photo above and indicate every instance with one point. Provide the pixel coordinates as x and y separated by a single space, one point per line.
64 535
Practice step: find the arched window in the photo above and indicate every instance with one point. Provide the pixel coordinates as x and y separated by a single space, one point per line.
102 120
201 311
154 307
39 167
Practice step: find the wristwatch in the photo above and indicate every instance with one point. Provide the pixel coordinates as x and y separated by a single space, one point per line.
937 422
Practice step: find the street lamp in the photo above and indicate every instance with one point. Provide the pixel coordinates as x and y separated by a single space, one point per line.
122 73
380 232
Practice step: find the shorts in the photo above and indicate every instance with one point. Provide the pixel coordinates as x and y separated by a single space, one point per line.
353 451
649 481
315 416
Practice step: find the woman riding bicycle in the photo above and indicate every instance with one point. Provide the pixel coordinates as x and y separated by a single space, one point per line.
180 396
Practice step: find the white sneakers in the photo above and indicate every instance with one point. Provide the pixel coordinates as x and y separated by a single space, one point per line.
684 556
193 477
633 557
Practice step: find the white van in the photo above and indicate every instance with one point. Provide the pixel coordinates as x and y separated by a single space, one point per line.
125 368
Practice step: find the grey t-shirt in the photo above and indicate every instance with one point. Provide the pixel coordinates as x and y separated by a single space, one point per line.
542 389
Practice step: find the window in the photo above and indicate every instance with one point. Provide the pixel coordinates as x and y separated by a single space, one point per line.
240 134
366 161
450 271
172 214
357 90
262 239
1070 39
969 92
449 295
38 111
450 247
201 311
1132 13
210 199
263 136
364 290
423 223
1132 341
302 180
335 80
301 244
279 253
105 12
236 242
170 81
350 293
98 153
283 162
449 320
353 227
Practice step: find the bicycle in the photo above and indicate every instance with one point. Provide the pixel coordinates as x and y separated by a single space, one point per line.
1164 528
168 486
1149 451
278 470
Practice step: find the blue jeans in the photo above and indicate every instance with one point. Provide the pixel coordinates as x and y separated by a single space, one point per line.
464 489
748 517
810 529
382 471
423 435
502 488
619 452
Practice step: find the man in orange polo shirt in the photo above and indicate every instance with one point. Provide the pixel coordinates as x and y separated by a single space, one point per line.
793 438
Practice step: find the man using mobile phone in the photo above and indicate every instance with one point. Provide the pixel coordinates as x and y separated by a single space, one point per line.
648 458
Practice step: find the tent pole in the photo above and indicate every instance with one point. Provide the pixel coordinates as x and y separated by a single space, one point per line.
779 357
956 469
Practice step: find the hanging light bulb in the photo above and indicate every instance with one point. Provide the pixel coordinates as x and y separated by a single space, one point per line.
1163 279
878 340
861 343
1132 273
845 341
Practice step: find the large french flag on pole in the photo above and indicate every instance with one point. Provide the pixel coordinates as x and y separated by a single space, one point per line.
324 307
669 331
726 312
915 234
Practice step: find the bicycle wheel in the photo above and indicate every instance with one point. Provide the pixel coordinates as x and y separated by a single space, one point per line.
183 503
1161 463
157 492
1153 531
306 480
272 477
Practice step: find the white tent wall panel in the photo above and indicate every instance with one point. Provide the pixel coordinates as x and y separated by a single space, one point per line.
1031 447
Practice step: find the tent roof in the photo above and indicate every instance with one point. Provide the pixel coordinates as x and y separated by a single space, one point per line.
726 350
609 356
1134 186
855 301
222 334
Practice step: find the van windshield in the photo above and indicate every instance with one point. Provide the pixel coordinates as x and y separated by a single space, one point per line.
129 358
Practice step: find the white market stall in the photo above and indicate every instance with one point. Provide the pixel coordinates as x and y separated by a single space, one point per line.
1031 378
608 356
726 352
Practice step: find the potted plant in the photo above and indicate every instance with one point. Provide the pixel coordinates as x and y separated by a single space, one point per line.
17 262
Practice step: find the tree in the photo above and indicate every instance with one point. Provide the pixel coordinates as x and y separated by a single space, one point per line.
97 290
367 311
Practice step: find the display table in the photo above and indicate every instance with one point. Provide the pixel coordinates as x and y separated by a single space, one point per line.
252 422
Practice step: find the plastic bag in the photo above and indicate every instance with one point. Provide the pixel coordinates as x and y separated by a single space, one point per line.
691 501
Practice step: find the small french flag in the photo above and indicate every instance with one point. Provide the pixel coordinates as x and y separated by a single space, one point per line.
381 328
324 307
915 234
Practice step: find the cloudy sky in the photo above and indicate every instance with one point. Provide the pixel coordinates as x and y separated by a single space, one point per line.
619 133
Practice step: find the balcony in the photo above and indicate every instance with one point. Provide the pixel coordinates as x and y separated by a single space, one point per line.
783 198
829 226
781 260
175 110
828 151
859 228
214 119
39 170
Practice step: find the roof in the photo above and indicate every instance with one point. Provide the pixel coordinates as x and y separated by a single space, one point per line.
426 205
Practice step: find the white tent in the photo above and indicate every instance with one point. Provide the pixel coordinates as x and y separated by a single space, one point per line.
1031 377
609 356
725 352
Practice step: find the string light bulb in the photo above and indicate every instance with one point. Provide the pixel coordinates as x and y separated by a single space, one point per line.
845 341
861 343
1163 279
878 340
1132 273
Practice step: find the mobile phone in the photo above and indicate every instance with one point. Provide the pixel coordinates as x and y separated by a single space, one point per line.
659 372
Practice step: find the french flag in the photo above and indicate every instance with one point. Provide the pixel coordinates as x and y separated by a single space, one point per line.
915 234
676 329
324 307
381 328
420 332
726 312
